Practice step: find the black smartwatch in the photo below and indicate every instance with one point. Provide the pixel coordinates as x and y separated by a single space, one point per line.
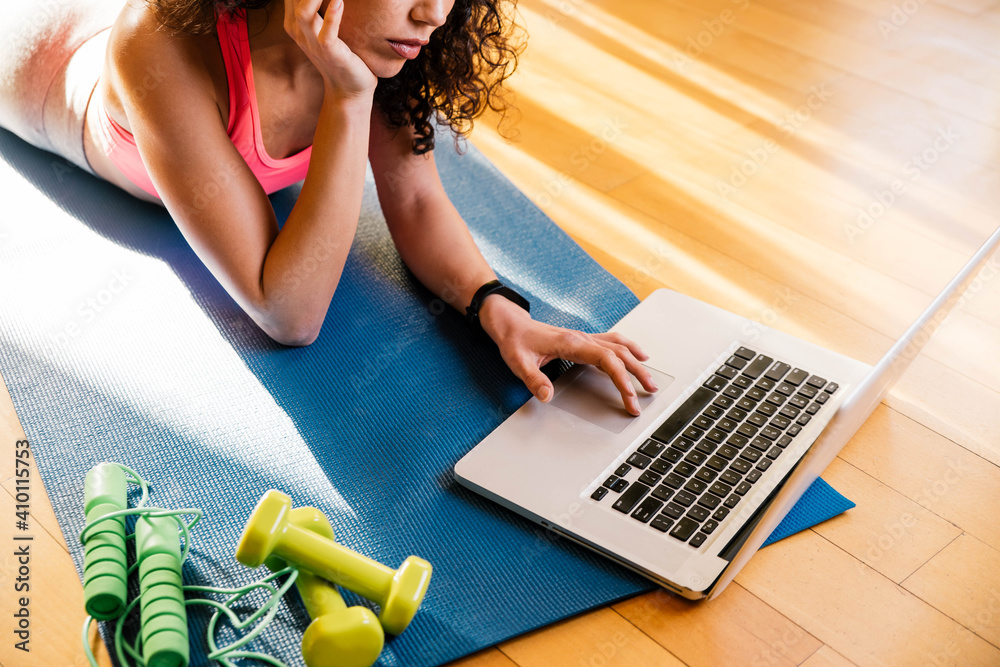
492 287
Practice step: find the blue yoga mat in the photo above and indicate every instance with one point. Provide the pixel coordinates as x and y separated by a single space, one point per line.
117 344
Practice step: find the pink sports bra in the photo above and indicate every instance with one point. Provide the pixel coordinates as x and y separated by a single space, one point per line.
244 123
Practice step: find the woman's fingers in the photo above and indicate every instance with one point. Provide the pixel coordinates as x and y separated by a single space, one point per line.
329 31
533 378
302 18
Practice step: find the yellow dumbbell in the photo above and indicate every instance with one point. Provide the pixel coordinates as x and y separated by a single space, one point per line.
339 636
270 531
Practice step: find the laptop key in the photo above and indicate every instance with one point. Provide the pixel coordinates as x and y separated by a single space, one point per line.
720 514
758 366
776 399
757 419
785 389
746 404
777 371
808 392
743 488
750 454
659 466
674 480
702 422
599 493
628 500
832 387
803 419
721 490
694 404
638 460
780 422
650 478
709 526
817 381
727 452
730 477
736 362
763 464
684 528
697 540
765 384
796 377
706 475
822 398
714 412
717 463
722 402
663 492
694 434
743 381
673 510
726 372
747 430
706 447
698 513
761 444
737 441
684 498
716 435
662 523
798 401
732 501
813 408
647 509
695 486
740 466
784 441
652 448
793 430
715 383
774 453
710 501
770 432
696 457
623 469
619 486
684 469
726 424
672 455
745 353
732 391
753 475
767 409
610 481
756 394
736 415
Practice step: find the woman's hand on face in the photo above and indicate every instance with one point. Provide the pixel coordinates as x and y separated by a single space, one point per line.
527 345
318 37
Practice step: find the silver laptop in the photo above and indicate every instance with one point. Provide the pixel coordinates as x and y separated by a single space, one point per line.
745 419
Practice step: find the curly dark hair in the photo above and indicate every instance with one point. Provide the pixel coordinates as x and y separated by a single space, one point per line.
459 74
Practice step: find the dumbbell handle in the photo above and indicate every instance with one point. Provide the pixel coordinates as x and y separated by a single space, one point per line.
333 562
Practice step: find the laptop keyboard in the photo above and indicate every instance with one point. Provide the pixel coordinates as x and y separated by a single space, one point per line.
704 458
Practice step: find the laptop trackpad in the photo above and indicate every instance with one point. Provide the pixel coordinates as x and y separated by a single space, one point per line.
589 394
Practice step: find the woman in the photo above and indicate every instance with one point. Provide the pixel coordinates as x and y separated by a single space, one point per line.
207 106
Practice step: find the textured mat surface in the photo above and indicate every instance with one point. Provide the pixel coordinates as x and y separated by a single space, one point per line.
117 344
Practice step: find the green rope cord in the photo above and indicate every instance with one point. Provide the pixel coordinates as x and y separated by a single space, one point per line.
265 614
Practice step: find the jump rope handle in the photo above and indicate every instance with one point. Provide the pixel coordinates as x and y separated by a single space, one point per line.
104 571
164 619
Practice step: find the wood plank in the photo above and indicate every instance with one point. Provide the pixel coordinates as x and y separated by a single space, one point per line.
735 628
827 657
491 657
963 581
598 638
855 610
931 470
55 600
886 531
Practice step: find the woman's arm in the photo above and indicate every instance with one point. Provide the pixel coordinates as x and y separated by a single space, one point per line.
436 245
216 200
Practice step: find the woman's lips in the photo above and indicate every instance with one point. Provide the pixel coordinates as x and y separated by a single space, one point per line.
407 49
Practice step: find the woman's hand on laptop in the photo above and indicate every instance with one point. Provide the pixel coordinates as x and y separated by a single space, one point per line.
527 345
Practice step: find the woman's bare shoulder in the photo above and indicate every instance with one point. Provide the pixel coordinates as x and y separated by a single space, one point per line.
146 60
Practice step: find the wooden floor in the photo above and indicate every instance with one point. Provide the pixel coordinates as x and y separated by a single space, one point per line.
823 168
